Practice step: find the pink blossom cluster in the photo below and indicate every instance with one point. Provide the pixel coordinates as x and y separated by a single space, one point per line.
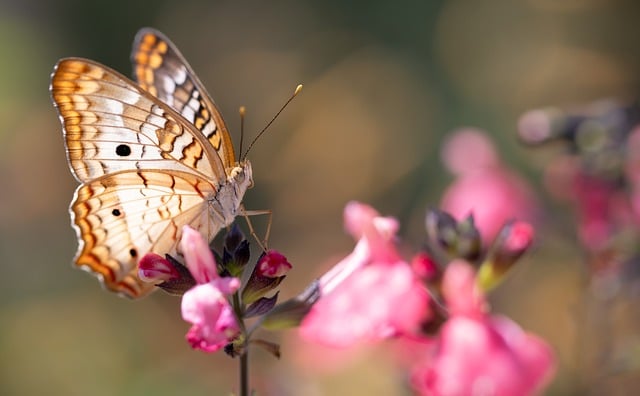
206 304
373 295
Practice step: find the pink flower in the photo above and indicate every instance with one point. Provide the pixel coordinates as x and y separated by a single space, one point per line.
273 265
206 305
371 294
479 354
484 187
154 268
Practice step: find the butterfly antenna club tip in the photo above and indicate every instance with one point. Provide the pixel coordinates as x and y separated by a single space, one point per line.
243 111
296 92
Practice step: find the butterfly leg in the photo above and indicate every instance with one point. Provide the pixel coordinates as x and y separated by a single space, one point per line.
246 213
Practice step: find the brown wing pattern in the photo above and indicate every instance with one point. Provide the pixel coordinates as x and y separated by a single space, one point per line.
121 216
160 69
110 125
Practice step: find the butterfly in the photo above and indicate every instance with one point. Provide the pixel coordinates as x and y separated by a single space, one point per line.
151 156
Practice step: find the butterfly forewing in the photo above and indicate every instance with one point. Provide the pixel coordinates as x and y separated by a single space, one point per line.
160 69
110 125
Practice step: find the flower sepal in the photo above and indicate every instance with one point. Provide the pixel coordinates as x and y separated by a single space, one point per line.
271 347
290 313
261 306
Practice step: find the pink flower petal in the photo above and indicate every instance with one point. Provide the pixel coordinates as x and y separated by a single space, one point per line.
460 290
480 354
372 287
493 357
380 301
198 256
206 307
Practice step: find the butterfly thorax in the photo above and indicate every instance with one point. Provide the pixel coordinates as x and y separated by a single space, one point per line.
227 200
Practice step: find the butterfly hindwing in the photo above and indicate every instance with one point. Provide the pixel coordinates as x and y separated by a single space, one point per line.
160 69
120 216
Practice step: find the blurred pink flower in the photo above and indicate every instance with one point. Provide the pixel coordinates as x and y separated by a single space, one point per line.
632 173
479 354
273 265
484 187
370 295
206 305
602 207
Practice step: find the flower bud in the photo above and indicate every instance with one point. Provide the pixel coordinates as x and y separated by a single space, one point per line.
236 252
154 268
273 265
173 277
512 242
266 276
424 266
448 239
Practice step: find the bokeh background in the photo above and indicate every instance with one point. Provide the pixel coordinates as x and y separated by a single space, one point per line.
384 84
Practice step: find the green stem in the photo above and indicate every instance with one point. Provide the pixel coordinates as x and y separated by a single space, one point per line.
244 356
244 373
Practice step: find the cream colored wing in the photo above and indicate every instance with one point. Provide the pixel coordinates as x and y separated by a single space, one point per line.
122 216
160 69
146 171
110 124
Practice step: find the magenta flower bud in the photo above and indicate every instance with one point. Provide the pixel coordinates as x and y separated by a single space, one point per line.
154 268
268 273
425 267
512 242
273 265
519 239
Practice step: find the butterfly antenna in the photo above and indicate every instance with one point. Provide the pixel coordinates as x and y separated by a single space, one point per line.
297 91
242 111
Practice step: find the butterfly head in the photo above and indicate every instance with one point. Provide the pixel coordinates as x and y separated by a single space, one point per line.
241 177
